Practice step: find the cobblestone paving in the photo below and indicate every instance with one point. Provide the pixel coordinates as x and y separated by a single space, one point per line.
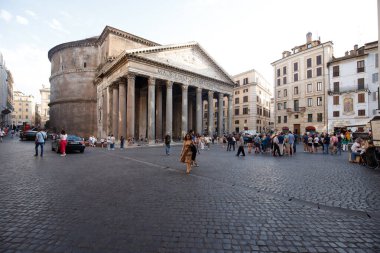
139 200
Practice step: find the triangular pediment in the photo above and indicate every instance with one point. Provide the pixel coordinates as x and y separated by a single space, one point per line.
190 57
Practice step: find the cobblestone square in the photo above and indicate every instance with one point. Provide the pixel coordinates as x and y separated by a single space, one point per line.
140 200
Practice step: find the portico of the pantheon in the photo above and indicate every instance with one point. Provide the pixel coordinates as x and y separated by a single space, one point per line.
124 85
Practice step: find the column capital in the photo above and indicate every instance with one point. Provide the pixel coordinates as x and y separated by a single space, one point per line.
199 90
131 76
230 97
169 84
185 87
221 95
151 81
121 80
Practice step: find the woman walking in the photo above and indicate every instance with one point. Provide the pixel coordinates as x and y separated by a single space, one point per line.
186 152
63 142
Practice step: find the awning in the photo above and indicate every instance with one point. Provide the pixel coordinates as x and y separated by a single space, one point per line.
6 111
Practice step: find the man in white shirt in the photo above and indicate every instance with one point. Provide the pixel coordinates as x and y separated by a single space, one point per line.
40 141
356 149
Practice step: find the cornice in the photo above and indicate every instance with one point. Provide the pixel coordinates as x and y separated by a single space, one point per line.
108 29
72 100
71 71
79 43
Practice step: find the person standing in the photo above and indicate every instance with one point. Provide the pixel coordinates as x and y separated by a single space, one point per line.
167 144
63 142
112 142
241 146
291 140
2 133
122 140
326 144
186 152
40 141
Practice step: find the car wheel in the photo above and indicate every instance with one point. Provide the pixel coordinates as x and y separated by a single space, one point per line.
82 150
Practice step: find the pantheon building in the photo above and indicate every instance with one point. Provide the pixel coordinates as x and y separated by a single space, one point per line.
121 84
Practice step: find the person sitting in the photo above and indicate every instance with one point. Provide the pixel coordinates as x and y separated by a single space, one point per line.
369 155
356 150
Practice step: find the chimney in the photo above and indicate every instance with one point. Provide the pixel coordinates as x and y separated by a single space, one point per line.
356 47
346 53
309 37
286 54
352 52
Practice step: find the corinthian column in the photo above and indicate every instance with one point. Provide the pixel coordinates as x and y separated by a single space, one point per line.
230 113
122 108
169 107
159 112
131 106
115 110
210 113
184 110
220 115
199 111
151 111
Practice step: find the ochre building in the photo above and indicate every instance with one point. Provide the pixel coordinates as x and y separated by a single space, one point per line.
124 85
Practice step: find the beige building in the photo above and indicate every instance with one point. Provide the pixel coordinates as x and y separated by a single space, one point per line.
251 102
301 84
44 106
119 83
24 109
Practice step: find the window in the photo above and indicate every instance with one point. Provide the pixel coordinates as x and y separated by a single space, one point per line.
376 60
361 98
285 93
309 102
236 100
296 90
245 121
309 45
26 104
236 111
375 77
336 86
309 73
278 82
319 59
296 105
296 116
278 72
278 119
279 94
285 119
284 80
319 101
84 65
279 105
27 116
205 115
238 83
19 116
319 86
295 66
236 121
245 81
335 113
319 71
335 100
360 83
309 87
285 105
360 66
310 118
26 109
319 117
295 77
19 109
361 112
245 110
308 63
245 99
284 70
335 71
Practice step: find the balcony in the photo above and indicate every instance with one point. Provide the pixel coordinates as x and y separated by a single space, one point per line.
349 89
296 110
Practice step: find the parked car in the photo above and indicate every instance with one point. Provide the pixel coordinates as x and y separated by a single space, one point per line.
28 135
74 143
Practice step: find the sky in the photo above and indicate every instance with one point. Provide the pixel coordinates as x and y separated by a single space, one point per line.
239 35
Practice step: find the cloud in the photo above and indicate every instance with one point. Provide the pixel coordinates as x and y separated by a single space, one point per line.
56 25
5 15
66 14
31 13
21 20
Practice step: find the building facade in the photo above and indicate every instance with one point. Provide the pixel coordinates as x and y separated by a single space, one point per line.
24 109
6 94
353 88
121 84
301 84
251 102
44 105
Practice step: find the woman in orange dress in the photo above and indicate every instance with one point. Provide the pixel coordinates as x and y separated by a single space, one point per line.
186 152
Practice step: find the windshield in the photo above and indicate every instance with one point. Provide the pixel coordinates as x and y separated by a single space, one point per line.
73 138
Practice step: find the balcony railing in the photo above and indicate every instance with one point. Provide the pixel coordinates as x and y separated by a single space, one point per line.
296 110
348 89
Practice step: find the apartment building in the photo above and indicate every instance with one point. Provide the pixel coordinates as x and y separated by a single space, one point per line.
301 84
24 109
251 102
353 88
